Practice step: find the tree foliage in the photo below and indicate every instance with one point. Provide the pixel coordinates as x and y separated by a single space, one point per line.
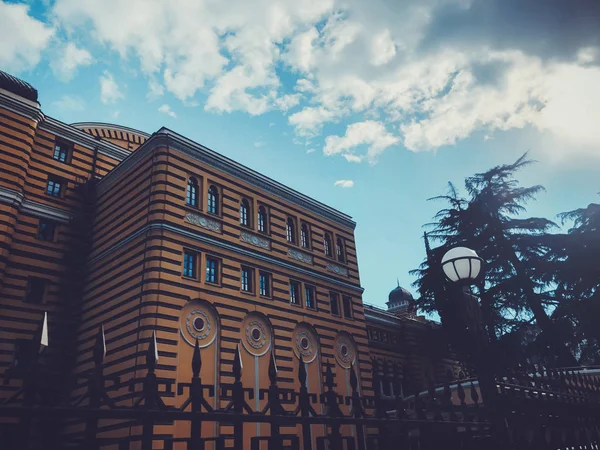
538 283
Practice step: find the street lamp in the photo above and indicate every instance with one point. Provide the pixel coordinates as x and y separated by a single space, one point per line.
461 265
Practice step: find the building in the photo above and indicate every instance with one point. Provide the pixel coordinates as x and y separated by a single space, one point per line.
156 235
142 234
405 342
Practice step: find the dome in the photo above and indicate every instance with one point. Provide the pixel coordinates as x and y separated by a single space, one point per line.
400 294
400 300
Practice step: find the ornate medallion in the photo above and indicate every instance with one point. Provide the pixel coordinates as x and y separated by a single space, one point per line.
345 349
257 336
293 253
339 270
199 321
203 222
306 343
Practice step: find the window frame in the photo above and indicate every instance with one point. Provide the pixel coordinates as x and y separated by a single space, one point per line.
296 289
265 221
268 277
66 147
56 181
196 258
47 222
217 201
195 184
334 296
340 250
28 290
327 244
350 314
246 205
290 231
305 237
309 288
250 280
217 271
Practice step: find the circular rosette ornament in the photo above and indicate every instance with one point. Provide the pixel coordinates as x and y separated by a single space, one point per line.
257 336
345 350
305 343
199 321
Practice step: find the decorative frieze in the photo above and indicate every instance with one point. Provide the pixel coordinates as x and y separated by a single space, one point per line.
293 253
203 222
339 270
255 240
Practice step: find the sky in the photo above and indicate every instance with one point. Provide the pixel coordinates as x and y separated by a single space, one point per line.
370 107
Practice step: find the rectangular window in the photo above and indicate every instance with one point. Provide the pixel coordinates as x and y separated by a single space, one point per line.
46 230
35 290
334 303
294 292
190 263
212 270
247 279
61 151
347 304
309 297
265 284
54 187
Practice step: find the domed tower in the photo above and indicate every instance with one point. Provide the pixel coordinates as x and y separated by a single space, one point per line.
400 301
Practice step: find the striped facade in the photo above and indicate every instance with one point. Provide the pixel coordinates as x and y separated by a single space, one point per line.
102 225
117 202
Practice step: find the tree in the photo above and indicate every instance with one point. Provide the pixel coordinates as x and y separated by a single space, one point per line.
576 275
516 293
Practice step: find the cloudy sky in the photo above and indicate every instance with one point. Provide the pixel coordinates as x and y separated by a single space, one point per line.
369 106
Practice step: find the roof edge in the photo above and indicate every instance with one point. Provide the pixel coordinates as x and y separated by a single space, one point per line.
109 126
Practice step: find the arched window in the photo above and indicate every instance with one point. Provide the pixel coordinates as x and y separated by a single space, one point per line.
304 236
191 196
213 200
340 250
262 219
290 230
245 213
327 244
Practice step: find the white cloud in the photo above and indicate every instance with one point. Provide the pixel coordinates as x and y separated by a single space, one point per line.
109 89
259 144
311 150
69 103
116 114
271 124
344 183
68 59
370 134
22 37
380 63
155 89
167 110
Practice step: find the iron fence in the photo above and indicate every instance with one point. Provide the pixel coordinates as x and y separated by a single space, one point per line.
540 409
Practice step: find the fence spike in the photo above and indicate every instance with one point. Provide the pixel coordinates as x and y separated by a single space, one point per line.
100 347
273 369
353 379
474 394
237 364
329 383
152 353
196 360
301 371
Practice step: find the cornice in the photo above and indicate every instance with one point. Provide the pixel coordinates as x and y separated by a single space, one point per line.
31 110
34 208
225 246
20 105
165 137
82 138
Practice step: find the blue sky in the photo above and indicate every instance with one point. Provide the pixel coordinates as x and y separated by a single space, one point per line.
391 99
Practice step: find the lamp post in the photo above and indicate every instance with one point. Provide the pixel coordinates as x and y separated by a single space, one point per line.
462 268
